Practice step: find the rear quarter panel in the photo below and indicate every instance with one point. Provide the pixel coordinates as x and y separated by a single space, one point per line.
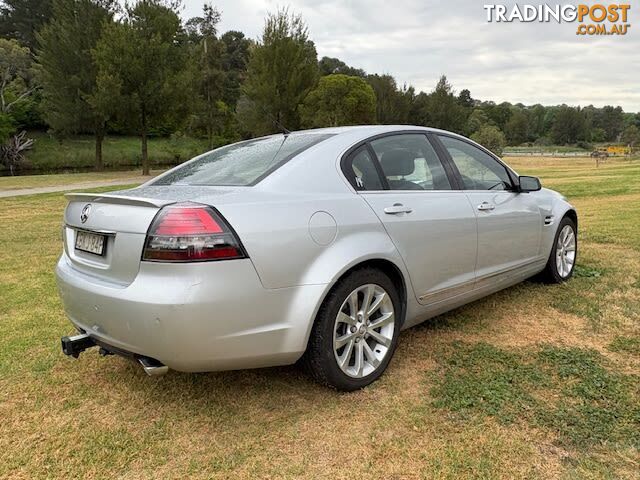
289 247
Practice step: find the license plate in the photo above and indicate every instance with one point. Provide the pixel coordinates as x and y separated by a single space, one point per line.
90 242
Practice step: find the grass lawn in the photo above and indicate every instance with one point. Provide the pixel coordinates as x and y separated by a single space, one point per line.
546 149
62 179
534 382
119 152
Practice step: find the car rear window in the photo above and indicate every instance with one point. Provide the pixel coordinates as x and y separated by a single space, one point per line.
242 164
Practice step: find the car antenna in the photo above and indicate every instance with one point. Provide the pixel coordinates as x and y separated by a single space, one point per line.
275 121
285 130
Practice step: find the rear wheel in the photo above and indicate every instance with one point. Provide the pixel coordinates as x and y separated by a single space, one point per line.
562 259
355 332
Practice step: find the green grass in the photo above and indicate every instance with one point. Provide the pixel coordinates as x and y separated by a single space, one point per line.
547 149
534 382
119 152
482 378
579 177
592 404
567 391
64 179
622 344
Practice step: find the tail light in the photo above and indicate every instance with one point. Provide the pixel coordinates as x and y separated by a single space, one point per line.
190 232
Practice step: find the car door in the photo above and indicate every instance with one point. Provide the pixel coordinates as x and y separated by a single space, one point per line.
432 225
509 223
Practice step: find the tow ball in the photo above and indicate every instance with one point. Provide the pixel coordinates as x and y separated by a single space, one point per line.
75 345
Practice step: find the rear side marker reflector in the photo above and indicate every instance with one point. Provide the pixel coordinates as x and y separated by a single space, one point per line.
190 232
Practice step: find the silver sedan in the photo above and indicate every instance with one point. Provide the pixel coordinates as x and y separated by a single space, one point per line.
321 245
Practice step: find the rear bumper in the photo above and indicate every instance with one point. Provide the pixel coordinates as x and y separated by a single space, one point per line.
193 317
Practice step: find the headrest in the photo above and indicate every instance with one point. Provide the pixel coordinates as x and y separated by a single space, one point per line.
398 162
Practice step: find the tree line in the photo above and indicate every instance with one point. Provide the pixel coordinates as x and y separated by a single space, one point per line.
97 67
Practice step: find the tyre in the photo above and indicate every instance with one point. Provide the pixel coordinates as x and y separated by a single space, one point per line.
564 252
355 332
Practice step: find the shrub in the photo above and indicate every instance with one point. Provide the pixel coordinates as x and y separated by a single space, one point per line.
490 137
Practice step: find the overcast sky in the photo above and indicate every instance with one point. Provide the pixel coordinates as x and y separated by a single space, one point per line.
416 41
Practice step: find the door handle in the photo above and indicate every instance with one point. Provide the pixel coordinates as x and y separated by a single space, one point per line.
397 209
486 206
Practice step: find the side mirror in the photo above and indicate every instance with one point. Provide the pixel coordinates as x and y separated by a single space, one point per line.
529 184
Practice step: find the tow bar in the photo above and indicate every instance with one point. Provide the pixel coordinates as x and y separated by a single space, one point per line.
76 344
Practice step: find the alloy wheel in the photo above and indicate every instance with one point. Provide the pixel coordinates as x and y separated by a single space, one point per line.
363 330
565 251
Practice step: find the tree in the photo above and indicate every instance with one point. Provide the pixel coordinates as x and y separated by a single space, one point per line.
16 88
141 68
441 109
16 75
536 121
339 100
418 109
568 126
498 114
7 127
516 128
631 136
206 62
392 104
476 121
598 135
611 120
491 138
329 66
283 69
21 19
465 100
69 73
234 64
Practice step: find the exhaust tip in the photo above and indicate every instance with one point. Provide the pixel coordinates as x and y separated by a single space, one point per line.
152 367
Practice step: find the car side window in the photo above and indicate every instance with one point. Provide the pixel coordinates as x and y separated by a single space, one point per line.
361 170
409 162
478 169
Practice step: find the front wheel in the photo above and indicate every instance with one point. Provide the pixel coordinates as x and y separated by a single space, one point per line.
355 332
562 259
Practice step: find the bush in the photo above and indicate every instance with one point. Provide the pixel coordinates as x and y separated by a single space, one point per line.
7 127
491 138
544 141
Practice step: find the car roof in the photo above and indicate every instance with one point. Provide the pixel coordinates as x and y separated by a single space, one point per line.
365 129
362 132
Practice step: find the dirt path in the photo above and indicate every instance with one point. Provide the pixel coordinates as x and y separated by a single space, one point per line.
72 186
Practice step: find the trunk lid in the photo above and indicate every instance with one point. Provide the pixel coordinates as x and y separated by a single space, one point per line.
122 219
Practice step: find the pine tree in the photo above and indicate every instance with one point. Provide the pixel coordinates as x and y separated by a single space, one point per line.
69 73
22 19
141 68
282 70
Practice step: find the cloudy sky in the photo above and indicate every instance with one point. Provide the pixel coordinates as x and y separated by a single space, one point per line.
418 40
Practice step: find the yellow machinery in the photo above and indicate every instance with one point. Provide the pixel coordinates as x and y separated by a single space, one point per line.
614 150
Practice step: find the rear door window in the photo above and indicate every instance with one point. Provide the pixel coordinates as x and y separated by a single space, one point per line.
409 162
